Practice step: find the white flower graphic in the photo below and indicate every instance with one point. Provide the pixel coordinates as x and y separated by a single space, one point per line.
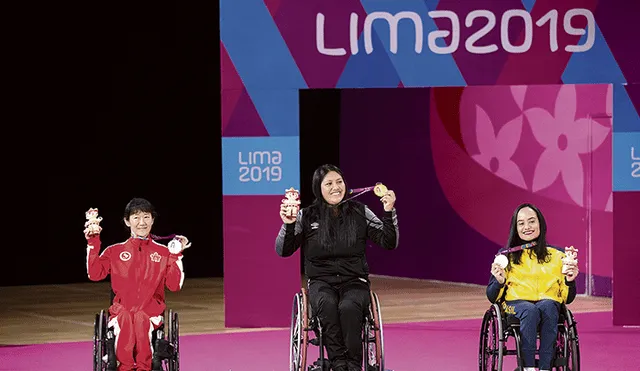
496 150
564 137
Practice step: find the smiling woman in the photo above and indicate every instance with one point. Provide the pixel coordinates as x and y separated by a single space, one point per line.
333 187
139 268
139 217
333 233
533 284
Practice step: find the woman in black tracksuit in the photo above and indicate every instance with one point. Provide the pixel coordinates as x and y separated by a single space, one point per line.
333 235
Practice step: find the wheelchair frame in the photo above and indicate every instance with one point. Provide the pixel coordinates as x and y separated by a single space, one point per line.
302 322
104 343
497 328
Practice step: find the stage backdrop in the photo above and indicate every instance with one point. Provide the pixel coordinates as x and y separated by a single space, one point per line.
270 49
462 159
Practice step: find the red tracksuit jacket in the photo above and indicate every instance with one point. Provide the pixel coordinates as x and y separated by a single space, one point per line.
140 269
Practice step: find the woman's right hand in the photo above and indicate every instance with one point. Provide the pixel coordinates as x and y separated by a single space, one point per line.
92 231
498 272
283 215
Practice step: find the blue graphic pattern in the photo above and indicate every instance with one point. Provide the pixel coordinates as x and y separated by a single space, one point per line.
260 165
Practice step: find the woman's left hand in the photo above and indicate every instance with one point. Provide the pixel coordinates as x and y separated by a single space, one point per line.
572 272
184 241
388 200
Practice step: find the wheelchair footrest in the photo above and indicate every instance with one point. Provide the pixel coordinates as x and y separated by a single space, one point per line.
163 350
560 362
111 354
314 341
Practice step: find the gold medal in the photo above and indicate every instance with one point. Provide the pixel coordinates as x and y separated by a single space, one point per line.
380 189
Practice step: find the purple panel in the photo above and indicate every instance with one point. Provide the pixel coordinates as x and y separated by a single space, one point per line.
243 120
617 20
259 285
385 138
230 80
454 208
626 255
634 94
296 21
540 65
231 86
480 69
239 115
273 6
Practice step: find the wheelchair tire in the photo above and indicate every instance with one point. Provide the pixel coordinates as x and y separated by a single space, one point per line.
492 341
99 341
571 347
373 337
299 338
574 357
173 336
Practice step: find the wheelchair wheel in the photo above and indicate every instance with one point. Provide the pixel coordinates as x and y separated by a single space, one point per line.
173 337
567 346
99 341
299 337
373 337
491 341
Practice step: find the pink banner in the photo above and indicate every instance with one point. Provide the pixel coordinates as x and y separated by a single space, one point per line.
259 285
626 255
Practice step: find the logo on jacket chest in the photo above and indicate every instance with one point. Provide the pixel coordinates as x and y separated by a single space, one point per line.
155 257
315 225
125 256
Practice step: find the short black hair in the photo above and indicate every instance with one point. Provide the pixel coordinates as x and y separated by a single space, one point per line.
137 205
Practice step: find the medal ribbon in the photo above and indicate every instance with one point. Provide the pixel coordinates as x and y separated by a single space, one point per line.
156 238
358 191
518 248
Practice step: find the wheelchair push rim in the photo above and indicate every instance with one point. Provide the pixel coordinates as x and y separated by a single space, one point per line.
173 336
99 339
373 336
298 334
567 345
491 347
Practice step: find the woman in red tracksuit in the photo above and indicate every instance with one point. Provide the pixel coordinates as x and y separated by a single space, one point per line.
140 268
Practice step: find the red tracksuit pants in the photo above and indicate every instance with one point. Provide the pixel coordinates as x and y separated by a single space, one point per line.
133 340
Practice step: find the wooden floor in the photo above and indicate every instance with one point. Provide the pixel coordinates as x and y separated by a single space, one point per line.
57 313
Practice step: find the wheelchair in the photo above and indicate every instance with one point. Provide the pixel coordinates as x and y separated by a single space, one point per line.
166 347
498 327
303 322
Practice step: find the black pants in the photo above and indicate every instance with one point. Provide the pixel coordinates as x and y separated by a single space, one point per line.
340 305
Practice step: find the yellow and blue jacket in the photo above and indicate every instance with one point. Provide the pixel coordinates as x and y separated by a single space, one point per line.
533 281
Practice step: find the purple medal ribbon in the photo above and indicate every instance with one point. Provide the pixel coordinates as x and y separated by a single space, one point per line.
156 238
517 248
359 191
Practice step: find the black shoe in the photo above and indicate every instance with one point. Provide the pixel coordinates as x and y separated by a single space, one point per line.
112 365
156 365
339 367
162 350
326 365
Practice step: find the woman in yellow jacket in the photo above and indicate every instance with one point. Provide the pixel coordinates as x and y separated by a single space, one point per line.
535 284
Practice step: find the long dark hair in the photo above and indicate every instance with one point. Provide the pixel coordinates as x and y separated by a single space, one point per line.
336 223
540 249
